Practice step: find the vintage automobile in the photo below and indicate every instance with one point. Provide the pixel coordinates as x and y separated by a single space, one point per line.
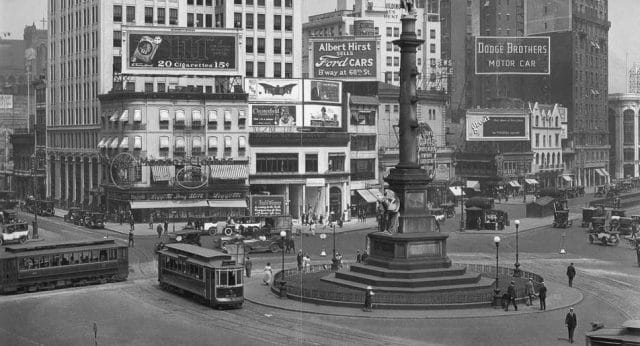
588 214
449 209
561 219
252 245
622 225
604 237
14 232
597 224
186 236
75 216
94 220
41 207
8 216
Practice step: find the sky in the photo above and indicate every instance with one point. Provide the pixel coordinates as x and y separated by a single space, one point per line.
624 43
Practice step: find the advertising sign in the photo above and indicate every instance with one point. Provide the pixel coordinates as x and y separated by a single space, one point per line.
344 58
322 91
322 116
513 55
274 115
364 28
180 51
502 127
6 101
264 89
271 205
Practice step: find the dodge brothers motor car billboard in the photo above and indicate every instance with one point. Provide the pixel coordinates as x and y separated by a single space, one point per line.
513 55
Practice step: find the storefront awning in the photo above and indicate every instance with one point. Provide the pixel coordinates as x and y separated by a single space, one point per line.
473 184
196 203
125 116
229 172
227 203
531 181
514 183
376 192
102 144
367 196
602 172
567 178
456 191
163 173
114 117
124 144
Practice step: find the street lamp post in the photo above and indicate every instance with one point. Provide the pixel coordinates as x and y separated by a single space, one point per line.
334 260
35 197
517 272
496 291
283 283
462 205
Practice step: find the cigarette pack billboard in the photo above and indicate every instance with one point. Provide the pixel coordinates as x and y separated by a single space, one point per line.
322 115
513 55
316 90
348 58
275 115
265 89
498 127
179 51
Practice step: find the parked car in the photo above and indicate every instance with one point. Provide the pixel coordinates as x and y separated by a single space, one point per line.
186 236
94 220
604 237
75 216
14 232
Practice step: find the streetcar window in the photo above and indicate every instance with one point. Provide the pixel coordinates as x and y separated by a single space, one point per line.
66 259
36 262
113 254
103 255
44 261
223 278
200 273
239 277
76 257
86 256
232 278
26 263
55 260
94 255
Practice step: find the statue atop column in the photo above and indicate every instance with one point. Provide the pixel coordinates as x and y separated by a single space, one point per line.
390 211
407 5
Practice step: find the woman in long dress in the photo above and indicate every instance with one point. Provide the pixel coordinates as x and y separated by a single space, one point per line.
268 272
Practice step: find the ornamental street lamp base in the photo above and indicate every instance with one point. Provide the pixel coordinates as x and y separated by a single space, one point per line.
497 300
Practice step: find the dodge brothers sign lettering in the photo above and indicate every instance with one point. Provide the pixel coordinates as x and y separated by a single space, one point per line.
513 55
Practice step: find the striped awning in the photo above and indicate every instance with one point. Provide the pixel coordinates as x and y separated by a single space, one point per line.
213 142
227 116
229 172
567 178
196 143
188 203
125 116
124 144
367 196
514 183
196 116
242 142
602 172
163 173
164 142
114 143
102 144
114 117
242 114
227 203
376 192
179 116
212 116
531 181
473 184
456 191
164 115
137 142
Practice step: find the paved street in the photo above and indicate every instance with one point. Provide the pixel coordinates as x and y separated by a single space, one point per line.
146 315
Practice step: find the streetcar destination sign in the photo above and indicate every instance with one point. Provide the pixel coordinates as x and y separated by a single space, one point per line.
513 55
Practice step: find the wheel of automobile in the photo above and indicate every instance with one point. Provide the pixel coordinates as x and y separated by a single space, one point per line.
223 244
212 230
603 240
255 229
228 231
274 247
23 239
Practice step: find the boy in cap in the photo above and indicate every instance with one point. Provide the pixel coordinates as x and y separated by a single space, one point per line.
511 293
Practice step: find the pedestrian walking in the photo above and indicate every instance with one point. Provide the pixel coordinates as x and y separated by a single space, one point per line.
166 226
306 263
151 221
268 272
528 290
131 241
312 228
358 256
292 245
511 296
132 223
120 217
368 300
571 321
300 259
571 273
159 230
247 266
365 254
542 295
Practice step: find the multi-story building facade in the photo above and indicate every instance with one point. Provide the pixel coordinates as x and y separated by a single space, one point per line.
578 79
624 130
634 79
382 18
548 129
88 42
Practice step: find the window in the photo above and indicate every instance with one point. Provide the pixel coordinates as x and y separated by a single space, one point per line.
363 118
249 69
537 140
261 44
117 13
196 145
432 48
199 20
161 16
261 69
173 16
212 119
627 116
189 2
288 23
288 46
237 20
288 70
180 145
227 146
336 162
242 146
131 14
249 21
227 120
389 47
212 146
261 3
389 61
277 69
162 88
179 120
363 169
117 64
148 15
277 46
277 3
249 45
237 2
311 163
396 32
148 87
277 163
277 22
288 3
190 19
196 118
164 143
389 32
131 86
261 24
432 33
117 38
208 20
557 139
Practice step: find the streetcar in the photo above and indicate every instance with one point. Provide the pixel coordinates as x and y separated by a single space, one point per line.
210 276
33 267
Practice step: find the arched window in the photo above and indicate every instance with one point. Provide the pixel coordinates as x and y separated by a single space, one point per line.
537 158
627 119
537 120
557 121
542 160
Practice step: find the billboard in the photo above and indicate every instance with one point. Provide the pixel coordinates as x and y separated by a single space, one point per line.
178 51
364 28
497 127
322 116
265 89
271 205
6 101
275 115
322 91
345 58
513 55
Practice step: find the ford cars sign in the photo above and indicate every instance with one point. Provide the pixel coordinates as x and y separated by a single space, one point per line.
345 58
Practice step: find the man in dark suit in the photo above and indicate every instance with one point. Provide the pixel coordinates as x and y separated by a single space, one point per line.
571 273
542 294
571 321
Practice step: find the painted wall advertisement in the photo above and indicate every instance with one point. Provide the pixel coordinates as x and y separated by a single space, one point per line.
513 55
167 51
345 58
271 205
562 111
322 91
322 116
6 101
502 127
264 89
274 115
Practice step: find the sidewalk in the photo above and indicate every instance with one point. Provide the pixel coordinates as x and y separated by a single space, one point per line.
559 297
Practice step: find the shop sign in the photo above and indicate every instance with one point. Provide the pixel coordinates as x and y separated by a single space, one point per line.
273 115
497 127
269 89
513 55
271 205
345 58
322 91
322 116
